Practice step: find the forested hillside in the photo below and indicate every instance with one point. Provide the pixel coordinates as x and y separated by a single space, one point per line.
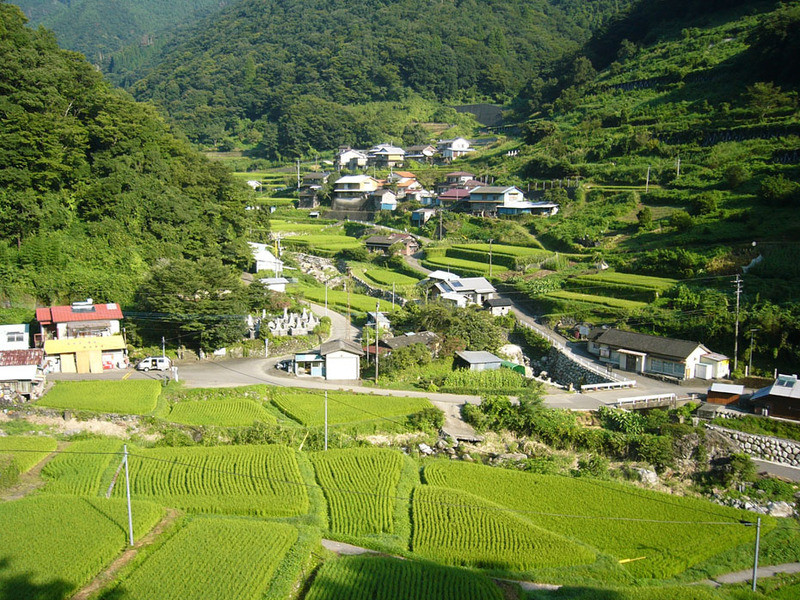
95 190
687 139
100 27
286 74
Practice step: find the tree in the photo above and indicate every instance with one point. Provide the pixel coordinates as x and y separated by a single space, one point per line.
776 190
645 218
764 97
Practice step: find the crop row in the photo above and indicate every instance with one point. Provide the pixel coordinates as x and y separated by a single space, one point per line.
339 299
211 559
597 300
51 545
498 380
659 284
463 267
249 480
34 449
379 578
622 519
224 413
386 277
308 408
360 487
459 528
137 397
82 469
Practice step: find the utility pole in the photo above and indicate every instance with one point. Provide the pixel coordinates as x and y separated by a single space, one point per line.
755 561
678 169
128 493
490 256
298 173
163 346
440 224
738 283
326 298
377 309
346 289
326 420
393 296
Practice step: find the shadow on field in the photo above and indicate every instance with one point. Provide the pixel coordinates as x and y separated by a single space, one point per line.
19 587
575 593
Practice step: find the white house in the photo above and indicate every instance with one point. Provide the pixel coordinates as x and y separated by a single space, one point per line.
276 284
264 259
487 199
654 355
337 359
347 158
352 187
385 199
462 291
451 149
385 155
15 337
498 306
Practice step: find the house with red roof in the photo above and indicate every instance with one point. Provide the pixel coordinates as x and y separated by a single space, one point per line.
82 337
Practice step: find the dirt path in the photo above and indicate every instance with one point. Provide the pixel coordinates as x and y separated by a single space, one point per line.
31 480
105 577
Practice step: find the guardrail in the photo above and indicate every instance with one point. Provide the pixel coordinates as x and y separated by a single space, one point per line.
646 401
613 385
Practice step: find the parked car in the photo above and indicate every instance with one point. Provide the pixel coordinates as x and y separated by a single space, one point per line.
156 363
284 365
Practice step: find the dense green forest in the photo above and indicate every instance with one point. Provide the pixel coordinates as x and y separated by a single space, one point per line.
293 76
686 137
98 28
95 190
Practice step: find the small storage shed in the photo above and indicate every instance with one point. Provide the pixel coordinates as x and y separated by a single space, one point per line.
724 393
477 361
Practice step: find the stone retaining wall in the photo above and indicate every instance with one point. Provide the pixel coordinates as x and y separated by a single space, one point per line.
566 371
777 450
365 288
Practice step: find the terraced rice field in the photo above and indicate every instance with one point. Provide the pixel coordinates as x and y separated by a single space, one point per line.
222 412
33 449
84 468
137 397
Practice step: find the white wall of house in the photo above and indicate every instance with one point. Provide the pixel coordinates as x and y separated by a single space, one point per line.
15 337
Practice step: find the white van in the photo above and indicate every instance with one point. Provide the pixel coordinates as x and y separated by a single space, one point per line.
157 363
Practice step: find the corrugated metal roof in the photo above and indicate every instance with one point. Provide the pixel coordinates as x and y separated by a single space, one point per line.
478 357
73 313
19 358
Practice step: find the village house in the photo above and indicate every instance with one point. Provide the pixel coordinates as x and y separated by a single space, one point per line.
308 198
781 399
83 337
452 149
385 199
385 156
22 374
659 356
354 187
428 338
15 337
421 153
421 216
461 291
486 200
275 284
404 243
525 207
499 307
352 160
264 259
335 360
453 196
315 179
382 320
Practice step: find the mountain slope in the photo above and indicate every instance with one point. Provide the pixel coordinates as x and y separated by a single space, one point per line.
262 65
94 188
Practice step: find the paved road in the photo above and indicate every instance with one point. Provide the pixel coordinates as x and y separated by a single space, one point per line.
785 471
747 575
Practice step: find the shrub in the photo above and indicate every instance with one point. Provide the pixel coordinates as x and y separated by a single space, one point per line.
776 190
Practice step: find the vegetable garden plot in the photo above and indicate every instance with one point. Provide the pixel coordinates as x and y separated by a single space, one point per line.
308 408
82 474
459 528
246 480
360 486
210 559
26 460
378 578
52 545
614 518
122 397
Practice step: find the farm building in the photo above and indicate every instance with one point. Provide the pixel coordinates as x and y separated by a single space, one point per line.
264 259
383 243
276 284
83 337
477 361
336 359
659 356
21 373
15 337
379 317
498 306
724 393
781 399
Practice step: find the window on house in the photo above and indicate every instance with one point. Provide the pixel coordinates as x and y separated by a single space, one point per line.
15 336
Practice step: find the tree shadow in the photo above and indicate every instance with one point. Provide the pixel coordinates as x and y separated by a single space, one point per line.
22 586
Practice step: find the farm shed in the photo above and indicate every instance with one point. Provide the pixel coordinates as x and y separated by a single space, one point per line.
724 393
781 399
384 243
654 355
22 373
336 359
477 361
498 306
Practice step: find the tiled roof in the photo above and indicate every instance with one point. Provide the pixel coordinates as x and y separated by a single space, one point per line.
340 345
73 313
650 344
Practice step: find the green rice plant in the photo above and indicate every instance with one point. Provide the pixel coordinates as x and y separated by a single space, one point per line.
345 408
593 299
660 535
659 284
458 528
52 545
387 277
242 554
244 480
462 267
279 225
498 380
339 299
380 578
137 397
33 449
74 472
321 244
504 250
224 407
360 486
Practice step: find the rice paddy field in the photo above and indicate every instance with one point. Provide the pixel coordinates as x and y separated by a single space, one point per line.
360 304
321 244
222 407
465 268
138 397
31 449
